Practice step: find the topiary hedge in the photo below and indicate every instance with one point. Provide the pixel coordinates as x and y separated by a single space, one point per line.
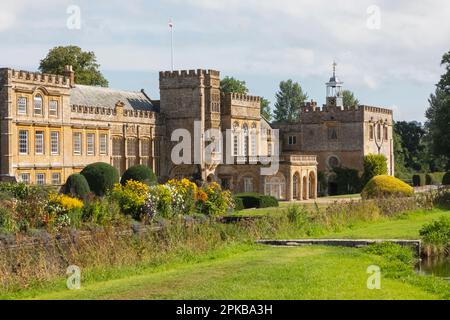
419 180
386 186
139 173
76 186
256 200
101 177
434 178
446 179
238 204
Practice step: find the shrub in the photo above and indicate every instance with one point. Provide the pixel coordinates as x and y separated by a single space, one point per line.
130 197
218 201
8 221
374 165
76 186
436 235
238 204
256 200
139 173
386 186
434 178
101 177
398 261
63 211
446 179
347 180
103 211
419 180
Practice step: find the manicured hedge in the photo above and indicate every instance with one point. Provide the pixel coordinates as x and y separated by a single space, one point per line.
139 173
419 180
256 200
101 177
76 186
386 186
434 178
238 204
446 179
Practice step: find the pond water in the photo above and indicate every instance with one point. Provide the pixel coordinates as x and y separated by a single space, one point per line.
439 267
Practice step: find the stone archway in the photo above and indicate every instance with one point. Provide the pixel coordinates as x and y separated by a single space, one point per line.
312 185
275 186
296 185
305 188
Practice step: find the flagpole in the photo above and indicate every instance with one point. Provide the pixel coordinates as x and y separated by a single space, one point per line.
171 44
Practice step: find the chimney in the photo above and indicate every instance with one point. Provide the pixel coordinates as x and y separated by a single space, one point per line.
68 72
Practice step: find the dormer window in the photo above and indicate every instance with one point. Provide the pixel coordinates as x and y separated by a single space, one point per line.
38 103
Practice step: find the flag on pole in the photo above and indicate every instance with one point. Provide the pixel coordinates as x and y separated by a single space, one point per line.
170 23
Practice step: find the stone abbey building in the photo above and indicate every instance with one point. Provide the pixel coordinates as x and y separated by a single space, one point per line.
51 127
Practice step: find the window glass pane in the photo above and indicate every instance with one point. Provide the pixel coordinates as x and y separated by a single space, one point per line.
77 147
39 142
103 144
53 108
56 178
38 105
40 178
54 142
23 141
90 143
22 105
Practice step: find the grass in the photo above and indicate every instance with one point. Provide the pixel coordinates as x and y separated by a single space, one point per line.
248 271
259 273
406 226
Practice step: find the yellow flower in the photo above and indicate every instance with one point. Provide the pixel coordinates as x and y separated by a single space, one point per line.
66 202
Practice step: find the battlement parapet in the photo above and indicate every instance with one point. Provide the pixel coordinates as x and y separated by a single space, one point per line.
42 78
236 97
311 107
189 73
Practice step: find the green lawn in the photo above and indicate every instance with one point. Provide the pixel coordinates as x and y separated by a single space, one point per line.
406 226
244 271
261 273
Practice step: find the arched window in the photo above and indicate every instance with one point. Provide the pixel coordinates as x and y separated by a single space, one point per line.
275 186
245 139
253 143
37 104
236 139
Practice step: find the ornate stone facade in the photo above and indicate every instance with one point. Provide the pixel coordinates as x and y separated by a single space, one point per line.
50 128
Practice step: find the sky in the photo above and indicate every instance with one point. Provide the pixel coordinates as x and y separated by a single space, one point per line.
388 53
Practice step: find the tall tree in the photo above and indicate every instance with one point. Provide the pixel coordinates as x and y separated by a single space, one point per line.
438 114
265 109
349 98
230 84
290 98
412 135
84 65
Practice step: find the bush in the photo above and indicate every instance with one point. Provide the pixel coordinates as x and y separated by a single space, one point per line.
101 177
217 201
386 186
103 211
139 173
434 178
347 180
130 197
76 186
419 180
436 236
256 200
8 221
374 165
446 179
238 204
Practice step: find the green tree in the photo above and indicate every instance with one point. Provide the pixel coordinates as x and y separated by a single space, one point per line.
438 114
230 84
374 165
290 98
84 65
349 99
411 135
265 109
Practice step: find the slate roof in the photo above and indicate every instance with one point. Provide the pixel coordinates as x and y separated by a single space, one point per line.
105 97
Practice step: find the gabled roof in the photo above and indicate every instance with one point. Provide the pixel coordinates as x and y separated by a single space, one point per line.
105 97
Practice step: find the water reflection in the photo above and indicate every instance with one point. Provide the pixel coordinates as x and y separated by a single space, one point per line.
439 267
